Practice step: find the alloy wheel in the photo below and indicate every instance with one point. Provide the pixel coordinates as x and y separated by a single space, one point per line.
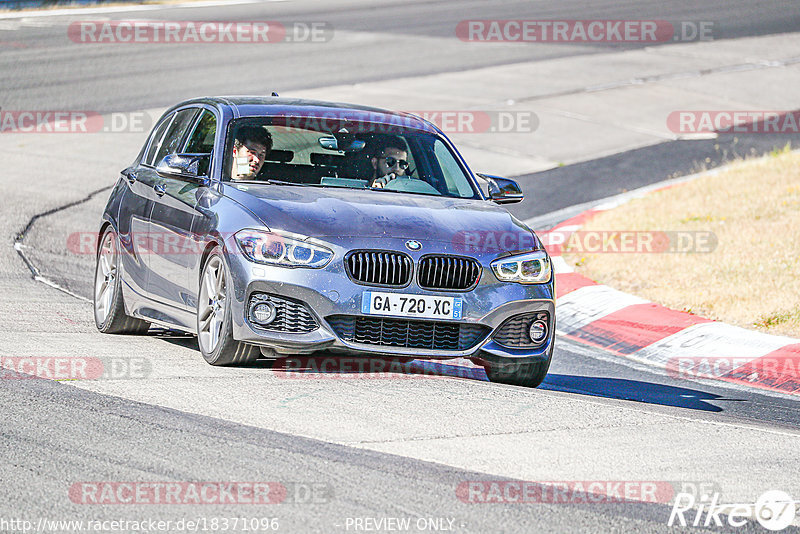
105 278
211 318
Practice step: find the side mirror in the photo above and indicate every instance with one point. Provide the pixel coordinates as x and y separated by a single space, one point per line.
190 167
502 190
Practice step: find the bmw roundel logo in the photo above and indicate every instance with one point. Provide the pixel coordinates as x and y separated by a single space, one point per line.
413 245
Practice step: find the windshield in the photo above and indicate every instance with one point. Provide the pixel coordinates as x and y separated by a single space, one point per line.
349 155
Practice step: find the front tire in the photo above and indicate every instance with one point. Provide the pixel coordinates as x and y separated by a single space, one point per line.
109 308
214 323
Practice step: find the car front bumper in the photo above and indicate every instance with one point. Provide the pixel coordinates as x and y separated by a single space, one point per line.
330 292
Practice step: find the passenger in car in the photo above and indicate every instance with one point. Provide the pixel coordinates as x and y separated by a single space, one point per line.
389 160
250 149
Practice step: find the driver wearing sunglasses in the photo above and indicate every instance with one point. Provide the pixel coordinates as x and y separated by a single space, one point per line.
389 161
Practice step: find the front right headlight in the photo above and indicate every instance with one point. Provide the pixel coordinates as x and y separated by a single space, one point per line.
528 268
272 248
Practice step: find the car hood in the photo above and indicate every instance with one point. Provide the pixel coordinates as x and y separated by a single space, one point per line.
332 212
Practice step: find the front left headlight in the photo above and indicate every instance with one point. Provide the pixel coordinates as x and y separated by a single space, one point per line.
272 248
529 268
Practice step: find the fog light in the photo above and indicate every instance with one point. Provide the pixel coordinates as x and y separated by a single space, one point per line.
263 313
538 331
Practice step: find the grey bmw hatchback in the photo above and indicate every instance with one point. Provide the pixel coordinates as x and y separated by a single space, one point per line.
272 227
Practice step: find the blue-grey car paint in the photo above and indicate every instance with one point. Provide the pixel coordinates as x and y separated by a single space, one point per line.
340 219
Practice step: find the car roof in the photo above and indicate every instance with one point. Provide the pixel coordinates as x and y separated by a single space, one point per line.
258 106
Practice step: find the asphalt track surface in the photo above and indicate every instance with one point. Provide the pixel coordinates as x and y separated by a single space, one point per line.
379 40
364 444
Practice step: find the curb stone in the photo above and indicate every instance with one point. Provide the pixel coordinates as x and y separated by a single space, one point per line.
685 345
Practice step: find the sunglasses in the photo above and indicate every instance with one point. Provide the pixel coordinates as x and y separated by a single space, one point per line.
391 162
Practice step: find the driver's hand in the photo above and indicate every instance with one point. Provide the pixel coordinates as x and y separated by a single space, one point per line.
378 183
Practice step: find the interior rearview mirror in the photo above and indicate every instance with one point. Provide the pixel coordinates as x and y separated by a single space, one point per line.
342 143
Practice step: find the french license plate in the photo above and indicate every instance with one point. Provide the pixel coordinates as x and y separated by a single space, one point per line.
405 305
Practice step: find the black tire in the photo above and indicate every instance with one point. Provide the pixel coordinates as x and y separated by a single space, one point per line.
215 331
519 374
109 308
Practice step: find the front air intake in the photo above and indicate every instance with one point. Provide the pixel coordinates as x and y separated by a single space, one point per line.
405 333
517 333
280 314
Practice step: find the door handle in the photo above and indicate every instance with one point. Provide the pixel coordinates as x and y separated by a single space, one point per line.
160 189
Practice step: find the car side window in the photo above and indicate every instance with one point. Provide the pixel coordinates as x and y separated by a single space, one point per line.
453 175
155 141
175 133
201 140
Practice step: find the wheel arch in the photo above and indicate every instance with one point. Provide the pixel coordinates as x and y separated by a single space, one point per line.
204 258
103 227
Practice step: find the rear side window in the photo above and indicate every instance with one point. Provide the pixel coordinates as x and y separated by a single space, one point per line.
201 140
176 131
155 141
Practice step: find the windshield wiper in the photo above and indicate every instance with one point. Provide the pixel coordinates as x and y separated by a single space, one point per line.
276 182
281 182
